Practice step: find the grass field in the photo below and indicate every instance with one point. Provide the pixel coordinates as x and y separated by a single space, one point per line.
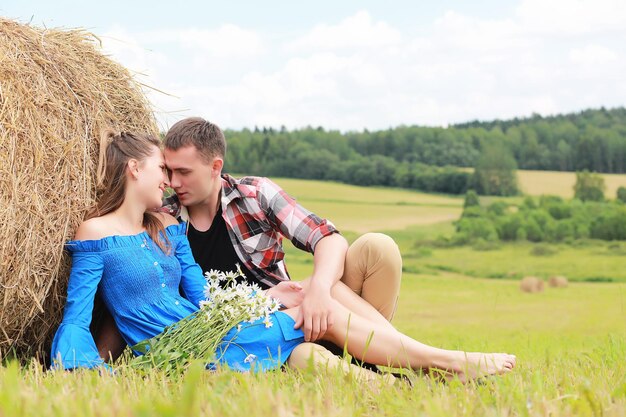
570 343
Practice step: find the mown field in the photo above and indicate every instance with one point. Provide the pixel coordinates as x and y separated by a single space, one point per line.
570 343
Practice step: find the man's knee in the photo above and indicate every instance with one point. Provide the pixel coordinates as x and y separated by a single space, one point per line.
378 242
380 248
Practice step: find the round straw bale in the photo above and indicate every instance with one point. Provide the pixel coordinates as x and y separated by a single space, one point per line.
531 284
57 92
558 281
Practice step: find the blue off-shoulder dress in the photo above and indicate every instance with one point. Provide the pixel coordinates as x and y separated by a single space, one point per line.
141 286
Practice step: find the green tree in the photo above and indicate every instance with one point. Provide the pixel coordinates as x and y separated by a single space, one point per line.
589 186
496 172
471 199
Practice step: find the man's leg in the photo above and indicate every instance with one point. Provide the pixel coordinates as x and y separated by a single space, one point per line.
369 287
373 270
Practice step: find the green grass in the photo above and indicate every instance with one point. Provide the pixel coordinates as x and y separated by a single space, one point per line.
595 263
570 343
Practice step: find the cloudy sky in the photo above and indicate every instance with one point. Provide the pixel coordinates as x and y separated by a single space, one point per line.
351 65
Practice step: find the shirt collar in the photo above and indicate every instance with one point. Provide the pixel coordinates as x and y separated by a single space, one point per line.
232 189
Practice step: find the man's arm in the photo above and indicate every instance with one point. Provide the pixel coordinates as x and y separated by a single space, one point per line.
312 234
328 263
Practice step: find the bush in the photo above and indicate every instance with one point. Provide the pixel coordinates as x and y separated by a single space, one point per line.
564 229
471 199
471 229
508 227
609 226
472 212
498 208
556 207
533 231
589 186
521 234
551 220
543 250
529 204
621 194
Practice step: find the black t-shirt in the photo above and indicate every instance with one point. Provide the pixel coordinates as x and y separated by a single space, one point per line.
213 249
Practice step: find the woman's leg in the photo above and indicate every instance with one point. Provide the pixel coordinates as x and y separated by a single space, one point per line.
307 354
324 358
348 298
369 341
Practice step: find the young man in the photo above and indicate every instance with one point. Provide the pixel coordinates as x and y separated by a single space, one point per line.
242 221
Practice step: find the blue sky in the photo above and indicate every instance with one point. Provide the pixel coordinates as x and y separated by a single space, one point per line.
358 64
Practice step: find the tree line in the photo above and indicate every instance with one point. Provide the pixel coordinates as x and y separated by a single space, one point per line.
428 158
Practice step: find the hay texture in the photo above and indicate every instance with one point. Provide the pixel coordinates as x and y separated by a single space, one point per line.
57 91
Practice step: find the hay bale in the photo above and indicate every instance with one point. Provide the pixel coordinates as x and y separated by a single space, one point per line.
558 281
57 91
531 284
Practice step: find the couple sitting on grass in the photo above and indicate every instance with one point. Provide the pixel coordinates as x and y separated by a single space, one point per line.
146 256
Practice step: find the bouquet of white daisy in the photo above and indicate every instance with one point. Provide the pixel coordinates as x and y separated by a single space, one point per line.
197 336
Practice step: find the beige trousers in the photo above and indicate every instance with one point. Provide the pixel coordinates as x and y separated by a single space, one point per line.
372 271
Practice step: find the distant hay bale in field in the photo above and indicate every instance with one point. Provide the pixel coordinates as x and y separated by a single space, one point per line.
558 282
57 91
531 284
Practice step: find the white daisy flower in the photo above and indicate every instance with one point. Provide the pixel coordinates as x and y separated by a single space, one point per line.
214 275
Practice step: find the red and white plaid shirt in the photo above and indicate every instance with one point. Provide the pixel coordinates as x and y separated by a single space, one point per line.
258 213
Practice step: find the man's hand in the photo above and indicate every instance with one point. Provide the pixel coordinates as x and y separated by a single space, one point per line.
315 312
289 293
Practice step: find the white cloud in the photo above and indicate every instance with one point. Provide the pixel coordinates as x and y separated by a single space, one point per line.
354 31
546 57
226 41
593 55
572 17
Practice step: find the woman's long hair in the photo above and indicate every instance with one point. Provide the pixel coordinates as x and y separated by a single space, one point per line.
116 149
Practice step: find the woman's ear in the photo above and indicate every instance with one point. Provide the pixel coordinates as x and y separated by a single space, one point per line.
133 168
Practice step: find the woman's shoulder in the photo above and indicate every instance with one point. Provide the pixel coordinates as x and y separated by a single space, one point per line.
174 229
93 235
165 218
97 234
93 229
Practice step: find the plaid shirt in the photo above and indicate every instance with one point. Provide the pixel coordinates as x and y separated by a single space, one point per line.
258 213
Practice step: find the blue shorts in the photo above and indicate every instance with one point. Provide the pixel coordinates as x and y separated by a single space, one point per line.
257 348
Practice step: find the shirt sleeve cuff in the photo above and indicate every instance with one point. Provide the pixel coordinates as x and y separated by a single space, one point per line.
74 347
324 229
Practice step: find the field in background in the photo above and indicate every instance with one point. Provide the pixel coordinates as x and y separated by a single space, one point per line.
362 209
394 209
570 343
468 298
562 183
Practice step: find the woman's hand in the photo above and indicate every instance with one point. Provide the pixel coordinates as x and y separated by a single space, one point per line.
289 293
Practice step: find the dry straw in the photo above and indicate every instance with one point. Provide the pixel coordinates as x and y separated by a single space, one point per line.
57 92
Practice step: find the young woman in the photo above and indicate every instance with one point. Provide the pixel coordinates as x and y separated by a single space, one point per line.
141 260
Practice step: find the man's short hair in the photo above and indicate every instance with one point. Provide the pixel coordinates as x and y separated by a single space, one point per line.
207 137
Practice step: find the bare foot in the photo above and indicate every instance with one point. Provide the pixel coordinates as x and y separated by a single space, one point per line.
473 365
